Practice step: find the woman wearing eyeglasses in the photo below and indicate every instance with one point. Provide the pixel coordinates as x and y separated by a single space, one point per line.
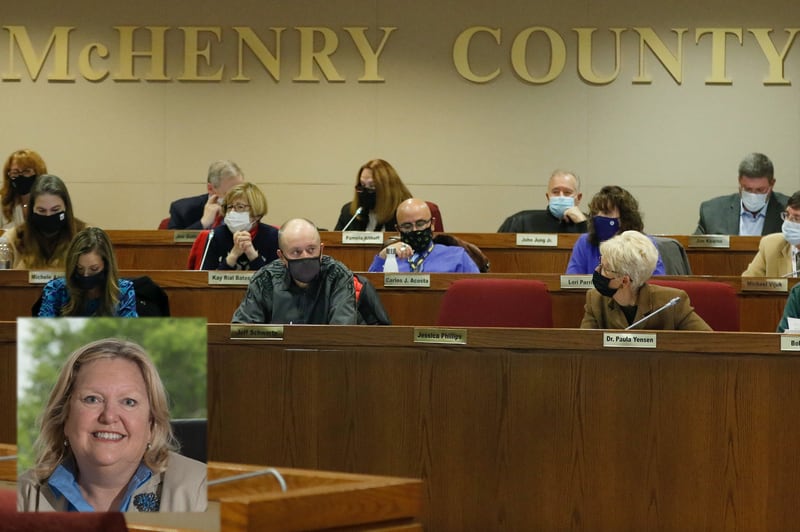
622 297
19 172
242 242
378 192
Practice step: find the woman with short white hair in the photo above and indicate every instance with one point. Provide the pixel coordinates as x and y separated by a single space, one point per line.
621 295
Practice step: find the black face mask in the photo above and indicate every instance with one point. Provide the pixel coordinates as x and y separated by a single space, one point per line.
418 240
601 282
22 184
87 282
367 199
49 224
304 270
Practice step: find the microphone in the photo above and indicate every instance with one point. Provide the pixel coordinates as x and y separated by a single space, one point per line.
358 211
672 302
791 274
208 245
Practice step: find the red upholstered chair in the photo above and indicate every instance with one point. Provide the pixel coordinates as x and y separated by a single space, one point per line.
496 303
438 224
715 302
164 223
195 261
11 521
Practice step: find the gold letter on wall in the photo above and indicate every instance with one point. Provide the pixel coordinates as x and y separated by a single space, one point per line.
519 58
673 63
322 58
58 38
272 62
718 76
192 53
461 54
85 62
585 69
156 54
369 55
771 53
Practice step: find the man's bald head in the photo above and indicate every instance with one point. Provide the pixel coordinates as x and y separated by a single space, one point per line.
296 236
411 211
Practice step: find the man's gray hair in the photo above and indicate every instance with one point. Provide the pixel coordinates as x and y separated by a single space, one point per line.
756 165
222 169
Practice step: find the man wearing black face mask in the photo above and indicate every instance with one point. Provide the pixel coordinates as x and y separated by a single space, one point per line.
302 285
416 251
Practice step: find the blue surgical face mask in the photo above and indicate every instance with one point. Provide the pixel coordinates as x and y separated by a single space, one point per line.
558 205
753 202
791 232
605 227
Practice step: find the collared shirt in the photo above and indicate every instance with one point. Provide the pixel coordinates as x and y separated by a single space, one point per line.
751 224
441 259
63 482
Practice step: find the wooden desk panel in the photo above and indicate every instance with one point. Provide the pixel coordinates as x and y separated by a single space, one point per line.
156 250
190 295
526 429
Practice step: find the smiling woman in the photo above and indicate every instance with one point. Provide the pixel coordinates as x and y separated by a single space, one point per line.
106 443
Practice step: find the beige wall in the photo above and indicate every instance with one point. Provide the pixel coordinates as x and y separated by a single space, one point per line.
481 151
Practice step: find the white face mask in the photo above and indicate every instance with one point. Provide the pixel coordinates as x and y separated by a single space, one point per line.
238 221
791 232
753 202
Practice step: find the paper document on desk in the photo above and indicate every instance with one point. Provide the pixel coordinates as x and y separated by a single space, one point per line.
794 326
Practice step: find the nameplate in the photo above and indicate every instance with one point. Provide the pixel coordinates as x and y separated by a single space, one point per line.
579 282
440 336
231 278
759 284
42 277
362 237
620 339
537 239
185 236
407 280
246 331
709 241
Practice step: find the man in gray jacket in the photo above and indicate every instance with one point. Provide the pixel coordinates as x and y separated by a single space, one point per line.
302 286
755 210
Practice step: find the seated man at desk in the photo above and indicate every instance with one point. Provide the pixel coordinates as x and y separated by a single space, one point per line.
753 211
562 215
778 255
621 296
416 251
205 211
302 286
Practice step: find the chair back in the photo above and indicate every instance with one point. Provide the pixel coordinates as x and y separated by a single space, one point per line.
197 253
56 521
191 434
496 303
713 301
674 257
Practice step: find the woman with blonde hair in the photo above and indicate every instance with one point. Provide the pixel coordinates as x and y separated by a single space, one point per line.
42 240
19 172
90 286
241 242
378 192
106 442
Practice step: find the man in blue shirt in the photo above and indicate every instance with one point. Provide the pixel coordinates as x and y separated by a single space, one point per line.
416 251
754 211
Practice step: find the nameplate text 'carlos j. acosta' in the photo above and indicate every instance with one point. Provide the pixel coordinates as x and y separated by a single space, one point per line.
538 53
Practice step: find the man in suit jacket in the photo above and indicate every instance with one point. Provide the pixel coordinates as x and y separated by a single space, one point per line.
205 211
755 210
778 254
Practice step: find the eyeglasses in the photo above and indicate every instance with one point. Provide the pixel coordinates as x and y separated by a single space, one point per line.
419 224
238 207
28 172
369 190
603 271
792 218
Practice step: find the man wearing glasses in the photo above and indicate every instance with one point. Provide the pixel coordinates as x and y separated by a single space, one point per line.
205 211
416 251
753 211
778 254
